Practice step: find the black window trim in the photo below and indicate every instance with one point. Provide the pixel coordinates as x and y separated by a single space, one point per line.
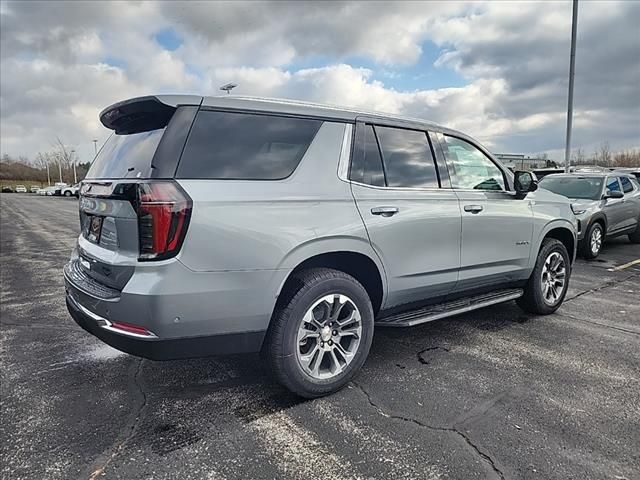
505 177
322 120
363 123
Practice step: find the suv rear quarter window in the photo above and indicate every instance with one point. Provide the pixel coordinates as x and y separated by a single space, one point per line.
245 146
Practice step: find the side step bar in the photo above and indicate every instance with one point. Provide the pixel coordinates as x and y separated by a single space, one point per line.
448 309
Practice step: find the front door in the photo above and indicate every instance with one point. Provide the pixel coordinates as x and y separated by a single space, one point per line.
497 228
614 208
413 224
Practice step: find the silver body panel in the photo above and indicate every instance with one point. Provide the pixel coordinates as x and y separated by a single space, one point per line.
245 237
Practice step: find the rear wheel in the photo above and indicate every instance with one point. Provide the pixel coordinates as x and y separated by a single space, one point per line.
548 284
593 240
321 333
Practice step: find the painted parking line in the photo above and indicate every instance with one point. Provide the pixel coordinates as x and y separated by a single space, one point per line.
626 265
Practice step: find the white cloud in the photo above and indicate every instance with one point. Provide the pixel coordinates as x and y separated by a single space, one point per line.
63 62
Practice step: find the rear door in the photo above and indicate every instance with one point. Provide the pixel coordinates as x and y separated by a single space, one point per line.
497 227
413 224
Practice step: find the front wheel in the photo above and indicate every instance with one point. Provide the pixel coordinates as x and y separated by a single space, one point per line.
321 332
548 284
67 193
635 236
592 243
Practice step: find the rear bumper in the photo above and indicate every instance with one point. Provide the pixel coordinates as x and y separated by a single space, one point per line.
159 349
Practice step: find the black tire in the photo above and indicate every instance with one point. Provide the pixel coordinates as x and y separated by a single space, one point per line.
67 193
279 350
532 301
585 247
635 236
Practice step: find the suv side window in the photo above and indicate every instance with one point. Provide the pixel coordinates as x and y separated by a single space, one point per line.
469 168
407 156
244 146
627 186
366 166
613 184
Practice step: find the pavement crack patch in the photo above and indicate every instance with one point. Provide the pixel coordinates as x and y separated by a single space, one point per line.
486 458
609 284
129 430
425 358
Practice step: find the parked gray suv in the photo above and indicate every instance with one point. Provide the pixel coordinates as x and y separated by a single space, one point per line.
606 203
222 225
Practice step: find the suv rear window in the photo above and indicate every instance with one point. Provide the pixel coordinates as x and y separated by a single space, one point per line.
126 156
243 146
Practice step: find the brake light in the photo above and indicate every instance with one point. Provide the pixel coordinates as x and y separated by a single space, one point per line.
164 210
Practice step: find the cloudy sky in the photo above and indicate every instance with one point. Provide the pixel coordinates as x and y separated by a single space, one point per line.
497 71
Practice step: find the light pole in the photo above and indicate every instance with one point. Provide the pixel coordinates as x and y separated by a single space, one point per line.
48 175
95 146
227 87
60 169
73 160
572 65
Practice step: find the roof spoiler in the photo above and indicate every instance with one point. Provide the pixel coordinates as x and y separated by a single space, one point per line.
142 114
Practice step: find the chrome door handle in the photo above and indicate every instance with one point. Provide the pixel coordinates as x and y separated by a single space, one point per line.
385 211
473 208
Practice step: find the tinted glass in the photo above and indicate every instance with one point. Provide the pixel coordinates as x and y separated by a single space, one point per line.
469 168
613 185
126 156
246 146
367 163
626 185
588 188
408 160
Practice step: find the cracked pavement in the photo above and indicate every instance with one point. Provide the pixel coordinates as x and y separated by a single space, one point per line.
495 393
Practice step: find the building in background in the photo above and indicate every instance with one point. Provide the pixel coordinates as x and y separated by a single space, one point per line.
516 161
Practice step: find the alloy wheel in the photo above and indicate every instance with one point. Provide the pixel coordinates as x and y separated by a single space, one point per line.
554 276
329 336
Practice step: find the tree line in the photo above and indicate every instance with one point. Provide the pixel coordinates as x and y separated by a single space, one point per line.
54 165
603 156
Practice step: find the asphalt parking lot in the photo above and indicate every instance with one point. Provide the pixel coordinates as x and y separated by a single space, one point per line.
492 394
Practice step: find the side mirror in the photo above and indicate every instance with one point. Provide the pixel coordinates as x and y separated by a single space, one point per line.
613 194
524 183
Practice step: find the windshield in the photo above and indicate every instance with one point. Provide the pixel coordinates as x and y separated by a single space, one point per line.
588 188
126 156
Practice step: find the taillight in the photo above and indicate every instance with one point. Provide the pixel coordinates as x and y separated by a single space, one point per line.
164 210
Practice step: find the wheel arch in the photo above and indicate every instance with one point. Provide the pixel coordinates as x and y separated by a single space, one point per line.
357 260
563 232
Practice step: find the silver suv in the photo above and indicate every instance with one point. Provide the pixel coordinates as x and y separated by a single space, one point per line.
606 203
222 225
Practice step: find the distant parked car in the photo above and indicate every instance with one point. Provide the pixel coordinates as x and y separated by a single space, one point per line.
606 203
49 191
7 189
70 191
21 189
34 188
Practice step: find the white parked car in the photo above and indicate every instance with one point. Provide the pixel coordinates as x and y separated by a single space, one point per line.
34 188
48 191
21 189
69 191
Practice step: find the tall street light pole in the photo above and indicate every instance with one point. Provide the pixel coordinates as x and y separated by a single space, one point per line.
73 160
95 146
572 65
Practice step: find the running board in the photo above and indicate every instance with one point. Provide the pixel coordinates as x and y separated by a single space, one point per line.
448 309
